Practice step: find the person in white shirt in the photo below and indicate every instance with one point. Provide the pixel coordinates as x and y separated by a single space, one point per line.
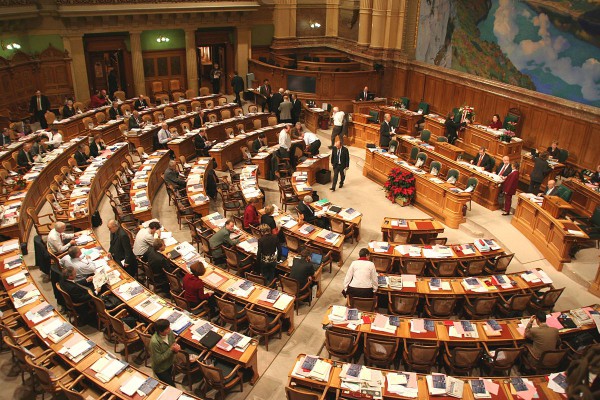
285 141
145 239
361 278
55 138
338 122
58 241
164 136
84 267
312 143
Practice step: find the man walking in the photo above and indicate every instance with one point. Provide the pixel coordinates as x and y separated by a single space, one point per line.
340 160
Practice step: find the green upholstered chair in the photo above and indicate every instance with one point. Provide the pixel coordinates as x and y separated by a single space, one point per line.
592 226
564 193
510 118
442 139
425 107
493 163
373 116
394 122
563 155
393 147
472 182
405 101
425 135
422 156
413 153
435 165
452 173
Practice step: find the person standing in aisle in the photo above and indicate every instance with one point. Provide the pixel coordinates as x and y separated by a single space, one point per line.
338 122
340 160
215 78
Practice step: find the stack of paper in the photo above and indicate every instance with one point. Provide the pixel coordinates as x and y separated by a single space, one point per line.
108 367
403 384
382 324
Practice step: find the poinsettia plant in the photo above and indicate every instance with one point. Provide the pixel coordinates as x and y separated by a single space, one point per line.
400 184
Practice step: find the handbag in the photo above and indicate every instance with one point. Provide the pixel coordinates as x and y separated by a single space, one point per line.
111 301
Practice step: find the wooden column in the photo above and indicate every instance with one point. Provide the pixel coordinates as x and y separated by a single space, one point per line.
284 19
191 59
139 82
378 23
331 23
243 50
393 24
364 22
81 87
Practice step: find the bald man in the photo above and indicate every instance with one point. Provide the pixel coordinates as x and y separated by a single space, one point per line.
551 190
121 249
504 169
172 176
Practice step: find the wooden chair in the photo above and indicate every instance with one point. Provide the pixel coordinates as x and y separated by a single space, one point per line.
298 393
204 91
119 94
50 117
221 375
367 304
479 307
443 268
544 301
124 334
288 198
190 94
102 315
209 104
403 304
183 364
169 112
212 117
79 389
420 357
42 229
73 309
440 307
381 351
257 123
413 266
20 352
178 95
345 228
383 264
100 117
549 361
50 373
252 108
500 360
238 112
291 287
235 261
225 114
498 265
201 310
514 306
262 324
472 267
222 100
342 344
461 360
231 313
157 87
272 121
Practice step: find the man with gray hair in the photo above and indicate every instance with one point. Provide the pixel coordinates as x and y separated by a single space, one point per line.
276 100
172 176
121 249
59 241
338 123
309 214
84 268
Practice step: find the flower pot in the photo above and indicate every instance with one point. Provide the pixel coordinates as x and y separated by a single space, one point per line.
403 202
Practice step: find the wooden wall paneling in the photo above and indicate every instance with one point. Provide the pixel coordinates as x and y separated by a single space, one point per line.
169 55
589 153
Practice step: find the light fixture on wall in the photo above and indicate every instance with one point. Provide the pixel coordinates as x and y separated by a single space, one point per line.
162 39
10 46
315 25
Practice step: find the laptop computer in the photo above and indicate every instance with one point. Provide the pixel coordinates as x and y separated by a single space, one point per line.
316 258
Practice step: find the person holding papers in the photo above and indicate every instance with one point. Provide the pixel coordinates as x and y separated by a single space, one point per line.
509 187
483 159
156 261
59 241
361 278
221 237
135 122
84 268
121 249
193 287
302 270
202 144
145 238
309 214
162 351
259 142
544 337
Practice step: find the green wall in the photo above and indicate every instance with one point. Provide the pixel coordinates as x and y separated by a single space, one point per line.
176 36
31 44
262 35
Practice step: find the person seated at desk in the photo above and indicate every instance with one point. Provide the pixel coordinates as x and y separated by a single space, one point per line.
505 168
221 237
40 147
302 269
98 100
114 112
452 127
297 131
79 292
483 159
312 143
97 145
496 122
193 287
269 251
58 241
509 187
202 144
595 178
553 150
309 215
164 136
259 142
365 95
199 120
141 103
544 337
172 176
251 214
84 267
361 278
551 189
68 110
385 132
24 157
55 138
5 137
135 122
156 261
145 238
80 156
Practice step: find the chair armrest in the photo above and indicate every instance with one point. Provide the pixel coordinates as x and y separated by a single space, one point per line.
275 320
502 297
203 303
67 372
468 301
233 371
120 313
486 348
530 353
75 382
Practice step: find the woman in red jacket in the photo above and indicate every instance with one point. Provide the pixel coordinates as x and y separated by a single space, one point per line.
194 288
496 123
509 187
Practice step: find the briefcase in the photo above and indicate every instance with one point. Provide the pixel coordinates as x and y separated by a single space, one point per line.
211 339
323 176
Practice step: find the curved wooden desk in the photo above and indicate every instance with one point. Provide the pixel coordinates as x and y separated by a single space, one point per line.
425 228
145 184
196 185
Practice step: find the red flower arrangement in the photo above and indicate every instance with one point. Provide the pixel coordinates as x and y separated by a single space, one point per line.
400 184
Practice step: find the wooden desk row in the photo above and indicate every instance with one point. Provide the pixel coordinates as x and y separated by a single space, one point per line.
313 117
423 228
145 184
6 152
553 237
488 187
527 164
38 181
436 198
82 366
264 158
585 198
334 385
196 185
407 119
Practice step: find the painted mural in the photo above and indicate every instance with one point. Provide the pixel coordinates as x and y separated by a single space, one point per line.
552 46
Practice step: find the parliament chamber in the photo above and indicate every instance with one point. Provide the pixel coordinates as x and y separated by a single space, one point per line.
284 199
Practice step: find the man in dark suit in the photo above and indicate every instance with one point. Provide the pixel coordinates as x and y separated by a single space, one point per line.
309 214
385 131
541 168
97 145
172 176
260 141
265 90
340 160
483 160
115 111
38 105
202 144
25 158
504 169
78 293
5 137
364 95
141 103
135 122
156 261
296 109
276 100
237 83
452 127
551 190
302 269
82 159
198 120
121 249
